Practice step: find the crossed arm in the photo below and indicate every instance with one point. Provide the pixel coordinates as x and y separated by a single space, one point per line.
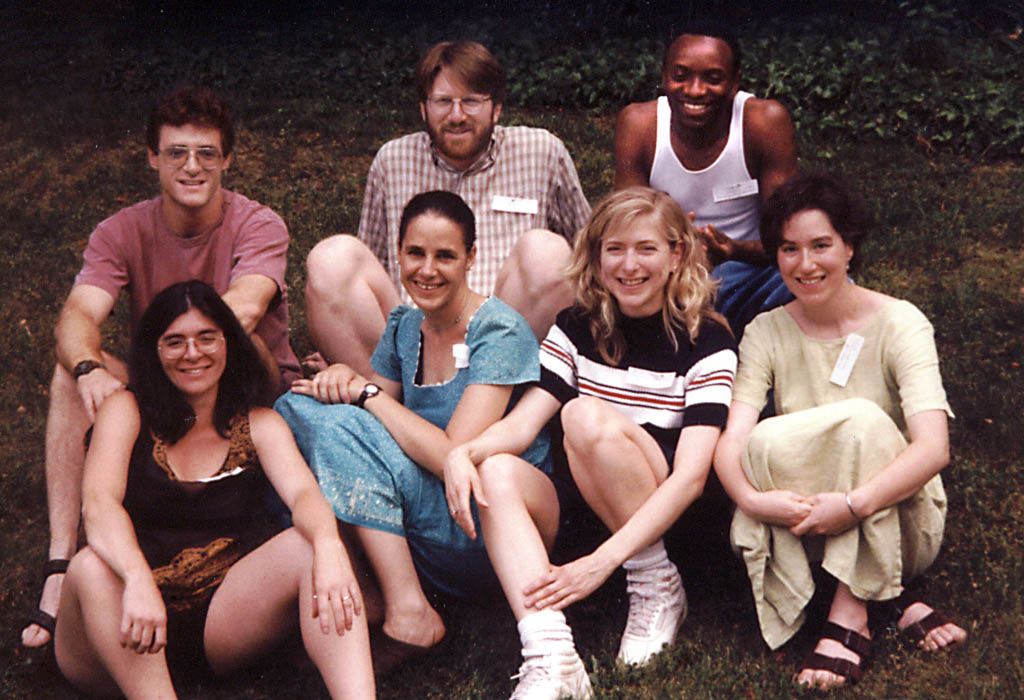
424 443
828 513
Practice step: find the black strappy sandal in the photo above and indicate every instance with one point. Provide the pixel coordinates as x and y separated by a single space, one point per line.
39 616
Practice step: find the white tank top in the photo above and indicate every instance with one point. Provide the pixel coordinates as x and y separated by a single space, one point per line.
738 210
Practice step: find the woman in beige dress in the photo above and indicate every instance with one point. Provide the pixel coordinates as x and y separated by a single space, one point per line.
848 469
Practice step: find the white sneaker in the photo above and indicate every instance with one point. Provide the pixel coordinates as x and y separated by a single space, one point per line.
657 606
551 676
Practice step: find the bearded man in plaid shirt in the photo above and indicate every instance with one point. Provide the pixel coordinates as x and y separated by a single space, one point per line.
519 181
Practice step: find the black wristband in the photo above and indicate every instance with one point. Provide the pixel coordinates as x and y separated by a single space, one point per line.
84 367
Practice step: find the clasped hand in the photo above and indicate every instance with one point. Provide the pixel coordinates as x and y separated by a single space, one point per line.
339 383
819 514
461 484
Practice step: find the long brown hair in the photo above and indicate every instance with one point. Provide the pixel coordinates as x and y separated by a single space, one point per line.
689 291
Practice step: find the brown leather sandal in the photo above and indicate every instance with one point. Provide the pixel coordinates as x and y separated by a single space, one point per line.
854 641
915 632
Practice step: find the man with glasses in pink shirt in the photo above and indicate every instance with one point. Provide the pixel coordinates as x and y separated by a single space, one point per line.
195 229
519 181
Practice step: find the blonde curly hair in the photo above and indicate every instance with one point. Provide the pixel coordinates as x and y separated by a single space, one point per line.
689 291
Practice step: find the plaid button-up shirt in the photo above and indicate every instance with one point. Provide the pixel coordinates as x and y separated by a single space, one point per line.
530 165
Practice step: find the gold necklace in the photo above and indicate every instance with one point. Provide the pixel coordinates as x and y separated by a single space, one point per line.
438 329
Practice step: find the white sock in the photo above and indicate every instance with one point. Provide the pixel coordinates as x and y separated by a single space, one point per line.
652 556
546 629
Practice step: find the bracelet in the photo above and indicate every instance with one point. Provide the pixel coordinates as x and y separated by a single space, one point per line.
850 506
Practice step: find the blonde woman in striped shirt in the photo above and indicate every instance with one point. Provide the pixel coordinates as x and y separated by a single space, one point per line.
641 369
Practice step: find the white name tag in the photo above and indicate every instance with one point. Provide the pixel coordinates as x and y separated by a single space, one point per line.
723 193
847 358
649 379
515 205
460 351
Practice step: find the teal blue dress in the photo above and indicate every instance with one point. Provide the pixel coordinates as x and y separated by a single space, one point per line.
367 478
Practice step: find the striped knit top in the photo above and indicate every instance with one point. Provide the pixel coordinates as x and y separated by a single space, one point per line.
661 389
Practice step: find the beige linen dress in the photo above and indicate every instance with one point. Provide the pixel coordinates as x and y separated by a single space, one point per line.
826 437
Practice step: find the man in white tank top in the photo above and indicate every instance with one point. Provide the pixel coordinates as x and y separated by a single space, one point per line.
720 153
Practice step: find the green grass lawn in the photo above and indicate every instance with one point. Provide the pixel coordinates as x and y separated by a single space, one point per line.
949 237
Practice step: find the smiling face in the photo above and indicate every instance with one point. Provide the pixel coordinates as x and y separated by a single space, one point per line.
434 263
636 262
193 353
700 81
813 257
189 186
460 138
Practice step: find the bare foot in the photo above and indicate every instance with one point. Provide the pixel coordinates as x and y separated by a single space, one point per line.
33 635
943 635
421 627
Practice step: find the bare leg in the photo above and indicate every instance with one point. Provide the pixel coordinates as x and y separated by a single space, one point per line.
616 464
348 298
66 423
520 524
87 645
408 615
532 280
267 583
846 611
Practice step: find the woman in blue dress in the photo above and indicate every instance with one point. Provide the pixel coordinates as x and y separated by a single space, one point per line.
443 372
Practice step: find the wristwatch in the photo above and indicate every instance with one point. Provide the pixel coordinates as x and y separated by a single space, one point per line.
84 367
368 392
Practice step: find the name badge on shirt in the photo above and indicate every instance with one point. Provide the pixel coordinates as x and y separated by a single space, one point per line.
647 378
460 351
847 358
724 193
515 205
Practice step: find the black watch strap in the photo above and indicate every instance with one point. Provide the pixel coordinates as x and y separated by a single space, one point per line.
368 392
84 367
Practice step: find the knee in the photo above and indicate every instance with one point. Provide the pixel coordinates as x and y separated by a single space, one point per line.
87 568
336 263
585 423
541 257
498 478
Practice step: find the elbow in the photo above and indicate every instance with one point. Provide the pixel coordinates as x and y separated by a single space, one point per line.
93 509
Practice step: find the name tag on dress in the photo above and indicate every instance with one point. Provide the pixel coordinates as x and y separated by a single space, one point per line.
515 205
724 193
847 358
647 378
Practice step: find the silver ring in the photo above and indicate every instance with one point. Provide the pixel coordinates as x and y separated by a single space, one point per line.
314 596
346 597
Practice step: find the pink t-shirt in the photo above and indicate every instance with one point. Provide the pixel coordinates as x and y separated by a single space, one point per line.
135 249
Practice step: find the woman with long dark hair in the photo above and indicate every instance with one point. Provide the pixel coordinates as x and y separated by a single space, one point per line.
178 573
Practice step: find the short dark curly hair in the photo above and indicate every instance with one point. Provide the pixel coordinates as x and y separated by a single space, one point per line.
190 105
826 192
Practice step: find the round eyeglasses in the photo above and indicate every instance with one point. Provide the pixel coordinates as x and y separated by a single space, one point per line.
175 346
207 157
